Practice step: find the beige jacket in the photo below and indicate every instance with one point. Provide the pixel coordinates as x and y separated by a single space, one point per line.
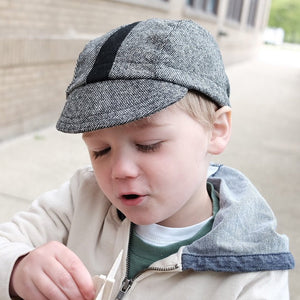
81 217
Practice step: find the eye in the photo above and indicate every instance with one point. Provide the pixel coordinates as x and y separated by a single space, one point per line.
148 148
100 153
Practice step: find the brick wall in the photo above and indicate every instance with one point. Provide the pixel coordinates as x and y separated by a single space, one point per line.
33 74
39 44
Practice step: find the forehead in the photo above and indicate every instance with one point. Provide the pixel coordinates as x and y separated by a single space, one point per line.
154 120
157 120
161 118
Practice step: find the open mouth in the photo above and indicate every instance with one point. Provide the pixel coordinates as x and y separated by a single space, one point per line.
131 196
132 199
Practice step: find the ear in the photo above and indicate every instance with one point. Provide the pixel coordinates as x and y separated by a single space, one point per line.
221 131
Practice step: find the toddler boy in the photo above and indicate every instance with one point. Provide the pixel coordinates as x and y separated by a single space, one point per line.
151 100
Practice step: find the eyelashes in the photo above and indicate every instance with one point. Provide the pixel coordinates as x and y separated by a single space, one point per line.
100 153
140 147
148 148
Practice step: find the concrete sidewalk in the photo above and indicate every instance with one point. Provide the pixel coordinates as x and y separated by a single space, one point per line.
265 145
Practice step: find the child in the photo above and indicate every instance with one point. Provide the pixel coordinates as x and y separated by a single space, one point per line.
152 102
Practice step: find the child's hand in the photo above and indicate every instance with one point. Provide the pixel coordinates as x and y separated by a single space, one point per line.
51 271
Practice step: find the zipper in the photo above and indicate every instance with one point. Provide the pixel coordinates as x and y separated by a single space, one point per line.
167 269
127 283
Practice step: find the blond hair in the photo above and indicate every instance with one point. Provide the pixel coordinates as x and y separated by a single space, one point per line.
199 107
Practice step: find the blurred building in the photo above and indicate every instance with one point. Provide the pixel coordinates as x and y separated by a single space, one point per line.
274 36
41 39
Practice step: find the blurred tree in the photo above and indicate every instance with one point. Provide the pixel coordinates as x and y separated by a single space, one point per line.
286 14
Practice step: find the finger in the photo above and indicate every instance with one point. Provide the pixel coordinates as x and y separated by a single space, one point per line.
81 276
29 290
23 279
47 288
62 279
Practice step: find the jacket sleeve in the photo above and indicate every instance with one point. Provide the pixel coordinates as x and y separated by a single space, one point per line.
267 285
48 218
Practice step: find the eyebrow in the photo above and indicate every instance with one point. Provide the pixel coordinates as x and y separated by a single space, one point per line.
145 123
85 135
88 134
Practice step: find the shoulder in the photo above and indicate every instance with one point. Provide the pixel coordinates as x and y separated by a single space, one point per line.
84 182
86 193
85 174
275 281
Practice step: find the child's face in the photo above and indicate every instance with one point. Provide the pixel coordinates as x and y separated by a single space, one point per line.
154 170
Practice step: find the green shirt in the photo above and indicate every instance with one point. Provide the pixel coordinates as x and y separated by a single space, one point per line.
142 255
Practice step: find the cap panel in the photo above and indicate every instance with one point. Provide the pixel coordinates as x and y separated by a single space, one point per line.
180 52
86 60
141 52
107 54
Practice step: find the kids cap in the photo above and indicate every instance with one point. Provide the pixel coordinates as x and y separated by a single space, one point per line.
139 69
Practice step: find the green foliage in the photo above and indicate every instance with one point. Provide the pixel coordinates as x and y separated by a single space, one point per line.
286 14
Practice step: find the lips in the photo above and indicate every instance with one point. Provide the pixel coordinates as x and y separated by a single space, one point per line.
132 199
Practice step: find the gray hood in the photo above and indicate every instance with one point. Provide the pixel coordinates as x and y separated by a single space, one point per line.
243 236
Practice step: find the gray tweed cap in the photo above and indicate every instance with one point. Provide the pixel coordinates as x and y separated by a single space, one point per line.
139 69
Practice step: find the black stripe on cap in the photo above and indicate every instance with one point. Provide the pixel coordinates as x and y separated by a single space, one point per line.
107 54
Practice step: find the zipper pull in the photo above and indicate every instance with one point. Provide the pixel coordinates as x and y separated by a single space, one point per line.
126 285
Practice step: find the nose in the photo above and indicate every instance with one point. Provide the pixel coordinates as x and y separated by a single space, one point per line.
124 166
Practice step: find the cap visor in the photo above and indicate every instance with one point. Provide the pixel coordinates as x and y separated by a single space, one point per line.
116 102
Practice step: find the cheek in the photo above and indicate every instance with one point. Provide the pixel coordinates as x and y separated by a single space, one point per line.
185 168
170 170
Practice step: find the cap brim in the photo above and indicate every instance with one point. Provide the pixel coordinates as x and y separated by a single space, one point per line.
116 102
